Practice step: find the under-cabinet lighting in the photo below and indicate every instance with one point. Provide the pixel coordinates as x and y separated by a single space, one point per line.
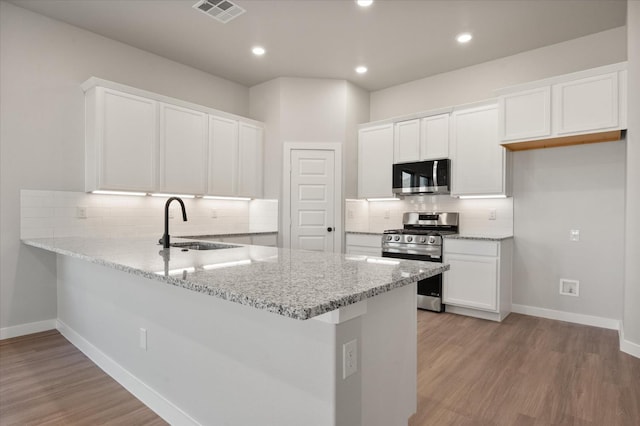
99 192
383 261
213 197
468 197
179 271
157 194
383 199
226 264
364 3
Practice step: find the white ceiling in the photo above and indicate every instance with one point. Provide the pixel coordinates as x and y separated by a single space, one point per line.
399 40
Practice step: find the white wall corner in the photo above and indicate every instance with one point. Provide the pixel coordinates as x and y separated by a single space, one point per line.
627 346
25 329
610 323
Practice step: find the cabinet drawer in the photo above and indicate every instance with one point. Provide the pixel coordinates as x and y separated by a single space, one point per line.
472 247
373 241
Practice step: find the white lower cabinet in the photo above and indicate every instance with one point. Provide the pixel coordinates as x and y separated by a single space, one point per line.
364 244
478 282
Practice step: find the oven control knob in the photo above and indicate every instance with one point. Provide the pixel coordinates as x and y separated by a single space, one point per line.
432 240
423 239
409 238
396 238
389 237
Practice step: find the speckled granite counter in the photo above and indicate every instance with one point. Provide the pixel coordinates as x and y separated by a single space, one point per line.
246 234
364 233
496 237
293 283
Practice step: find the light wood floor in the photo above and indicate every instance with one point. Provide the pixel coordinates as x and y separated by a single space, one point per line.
524 371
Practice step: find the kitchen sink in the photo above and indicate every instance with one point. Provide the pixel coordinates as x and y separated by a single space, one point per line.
195 245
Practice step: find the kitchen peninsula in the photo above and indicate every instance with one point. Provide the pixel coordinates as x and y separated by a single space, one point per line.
245 334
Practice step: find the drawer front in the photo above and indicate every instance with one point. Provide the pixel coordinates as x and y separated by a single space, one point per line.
471 247
373 241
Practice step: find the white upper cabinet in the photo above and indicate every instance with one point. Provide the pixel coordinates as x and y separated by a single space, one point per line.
421 139
183 150
586 106
145 142
375 161
434 137
223 156
120 141
250 160
478 162
525 114
406 141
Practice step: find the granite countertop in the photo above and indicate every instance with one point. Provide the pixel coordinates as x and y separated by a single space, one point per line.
294 283
485 237
364 232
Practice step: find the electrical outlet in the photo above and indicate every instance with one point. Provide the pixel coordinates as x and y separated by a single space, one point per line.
172 212
569 287
349 358
81 212
143 339
349 214
214 213
574 235
492 214
387 214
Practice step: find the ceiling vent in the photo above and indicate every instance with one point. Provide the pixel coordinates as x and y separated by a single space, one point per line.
222 10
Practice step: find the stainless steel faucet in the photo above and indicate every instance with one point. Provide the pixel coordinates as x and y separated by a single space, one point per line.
165 237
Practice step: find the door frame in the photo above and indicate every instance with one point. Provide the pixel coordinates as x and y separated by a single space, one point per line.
336 147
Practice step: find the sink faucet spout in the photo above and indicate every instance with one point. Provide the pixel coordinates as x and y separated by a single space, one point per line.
165 237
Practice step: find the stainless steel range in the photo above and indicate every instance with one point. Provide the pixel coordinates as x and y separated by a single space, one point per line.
421 239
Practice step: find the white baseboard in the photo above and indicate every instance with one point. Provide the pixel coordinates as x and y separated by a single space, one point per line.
152 399
594 321
29 328
628 346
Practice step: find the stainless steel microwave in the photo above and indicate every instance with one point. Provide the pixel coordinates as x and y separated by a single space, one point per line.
422 177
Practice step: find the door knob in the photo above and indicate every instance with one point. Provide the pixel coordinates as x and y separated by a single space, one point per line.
329 229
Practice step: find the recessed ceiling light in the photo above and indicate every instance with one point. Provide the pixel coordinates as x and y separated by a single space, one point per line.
464 37
361 69
258 51
364 3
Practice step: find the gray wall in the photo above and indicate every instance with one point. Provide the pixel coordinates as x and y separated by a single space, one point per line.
42 64
550 183
631 320
309 110
556 190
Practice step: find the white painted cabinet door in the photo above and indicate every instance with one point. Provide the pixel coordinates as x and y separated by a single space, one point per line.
183 150
250 161
406 141
471 282
588 104
121 141
477 159
312 199
526 114
375 161
223 156
434 139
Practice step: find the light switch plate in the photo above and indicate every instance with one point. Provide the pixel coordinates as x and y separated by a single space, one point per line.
574 235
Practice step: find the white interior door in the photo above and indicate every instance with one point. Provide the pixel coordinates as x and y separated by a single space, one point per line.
312 199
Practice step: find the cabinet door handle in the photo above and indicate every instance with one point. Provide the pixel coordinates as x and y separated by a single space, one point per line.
329 229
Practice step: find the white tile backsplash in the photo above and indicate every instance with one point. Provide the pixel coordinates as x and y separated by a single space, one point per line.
53 214
377 216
